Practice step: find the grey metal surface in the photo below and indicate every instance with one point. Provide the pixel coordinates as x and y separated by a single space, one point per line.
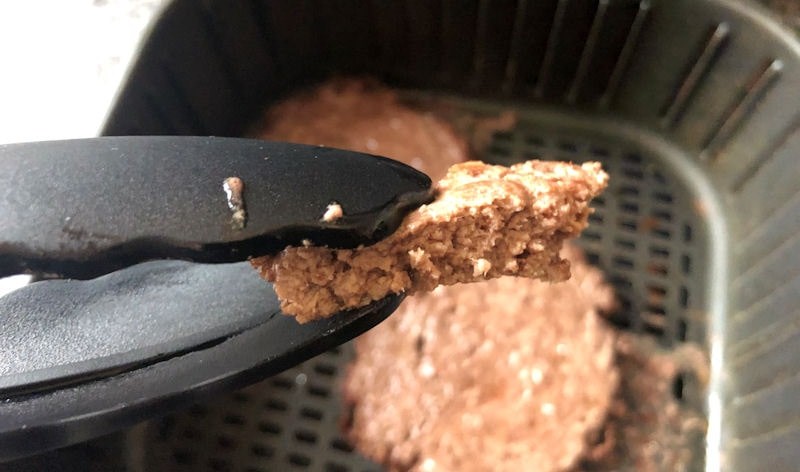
290 423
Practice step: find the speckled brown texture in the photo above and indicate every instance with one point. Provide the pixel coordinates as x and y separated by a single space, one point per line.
362 115
502 375
648 429
486 221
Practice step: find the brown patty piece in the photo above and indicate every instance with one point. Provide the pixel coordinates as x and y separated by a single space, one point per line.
504 375
362 115
486 221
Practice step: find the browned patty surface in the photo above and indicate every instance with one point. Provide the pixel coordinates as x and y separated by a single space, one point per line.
500 375
486 221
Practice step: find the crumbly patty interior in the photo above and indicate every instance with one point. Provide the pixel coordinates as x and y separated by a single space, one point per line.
500 375
486 221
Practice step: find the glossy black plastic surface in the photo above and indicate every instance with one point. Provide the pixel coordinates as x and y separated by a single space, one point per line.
82 208
66 380
62 332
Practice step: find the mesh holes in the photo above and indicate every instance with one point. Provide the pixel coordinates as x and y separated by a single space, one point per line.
634 235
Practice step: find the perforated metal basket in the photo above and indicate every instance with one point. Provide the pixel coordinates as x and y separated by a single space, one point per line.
692 105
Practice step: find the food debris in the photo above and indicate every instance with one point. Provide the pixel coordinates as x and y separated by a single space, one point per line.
648 428
332 213
700 207
481 267
234 189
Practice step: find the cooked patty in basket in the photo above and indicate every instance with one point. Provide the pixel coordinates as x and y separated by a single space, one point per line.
506 375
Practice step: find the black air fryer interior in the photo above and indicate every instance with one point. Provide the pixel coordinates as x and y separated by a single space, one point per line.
692 106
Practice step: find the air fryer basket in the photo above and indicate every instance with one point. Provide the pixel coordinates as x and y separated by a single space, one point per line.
692 105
